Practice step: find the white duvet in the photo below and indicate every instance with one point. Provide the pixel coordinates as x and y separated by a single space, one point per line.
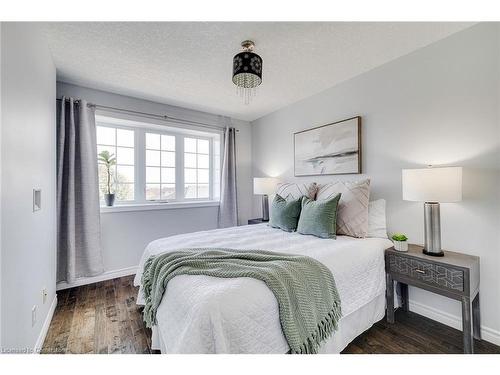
203 314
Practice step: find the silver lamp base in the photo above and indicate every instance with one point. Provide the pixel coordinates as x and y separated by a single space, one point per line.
265 208
432 226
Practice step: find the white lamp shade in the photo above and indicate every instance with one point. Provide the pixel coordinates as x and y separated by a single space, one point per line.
442 184
264 185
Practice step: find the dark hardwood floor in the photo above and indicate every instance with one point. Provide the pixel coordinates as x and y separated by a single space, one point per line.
98 318
104 318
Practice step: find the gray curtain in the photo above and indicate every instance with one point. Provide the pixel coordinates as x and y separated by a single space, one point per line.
228 208
78 229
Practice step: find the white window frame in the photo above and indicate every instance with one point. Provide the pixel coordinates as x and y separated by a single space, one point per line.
142 183
210 167
171 129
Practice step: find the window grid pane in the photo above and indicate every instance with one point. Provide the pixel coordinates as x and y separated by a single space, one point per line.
168 175
124 192
152 141
153 175
167 191
203 147
124 174
152 158
125 155
167 142
168 158
153 192
106 135
125 138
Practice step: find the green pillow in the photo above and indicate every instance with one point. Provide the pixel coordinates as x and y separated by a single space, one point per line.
319 218
284 213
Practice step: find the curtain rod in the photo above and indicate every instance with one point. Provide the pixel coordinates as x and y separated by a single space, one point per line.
154 115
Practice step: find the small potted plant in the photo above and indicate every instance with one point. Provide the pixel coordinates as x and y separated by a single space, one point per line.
400 242
108 160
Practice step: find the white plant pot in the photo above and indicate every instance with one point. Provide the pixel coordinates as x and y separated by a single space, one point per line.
400 245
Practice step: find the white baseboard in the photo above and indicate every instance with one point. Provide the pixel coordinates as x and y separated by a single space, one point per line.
45 327
95 279
454 321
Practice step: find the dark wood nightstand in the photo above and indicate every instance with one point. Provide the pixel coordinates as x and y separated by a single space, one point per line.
455 276
256 221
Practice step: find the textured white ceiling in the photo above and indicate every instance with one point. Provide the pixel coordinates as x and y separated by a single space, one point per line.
189 64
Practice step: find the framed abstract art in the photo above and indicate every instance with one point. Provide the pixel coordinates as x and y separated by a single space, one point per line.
329 149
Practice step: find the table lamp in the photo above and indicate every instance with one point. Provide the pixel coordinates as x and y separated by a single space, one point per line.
264 186
432 186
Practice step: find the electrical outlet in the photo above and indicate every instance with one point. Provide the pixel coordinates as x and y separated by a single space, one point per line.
33 316
44 295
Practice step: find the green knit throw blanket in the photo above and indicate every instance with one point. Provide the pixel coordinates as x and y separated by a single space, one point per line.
309 304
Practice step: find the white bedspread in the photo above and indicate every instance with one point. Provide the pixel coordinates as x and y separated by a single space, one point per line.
203 314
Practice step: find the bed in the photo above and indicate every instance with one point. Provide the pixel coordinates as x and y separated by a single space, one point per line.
203 314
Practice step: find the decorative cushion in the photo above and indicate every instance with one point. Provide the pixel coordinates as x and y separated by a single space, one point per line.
284 213
352 215
376 219
319 218
295 191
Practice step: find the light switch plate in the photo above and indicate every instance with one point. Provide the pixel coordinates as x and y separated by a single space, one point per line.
37 199
44 295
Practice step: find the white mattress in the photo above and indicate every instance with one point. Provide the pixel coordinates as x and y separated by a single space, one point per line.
203 314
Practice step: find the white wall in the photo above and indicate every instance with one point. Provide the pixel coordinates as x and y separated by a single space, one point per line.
126 234
28 160
438 105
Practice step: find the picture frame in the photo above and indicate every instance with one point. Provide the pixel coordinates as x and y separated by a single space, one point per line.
331 149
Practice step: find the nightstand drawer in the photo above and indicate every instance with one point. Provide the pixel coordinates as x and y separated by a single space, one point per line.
431 273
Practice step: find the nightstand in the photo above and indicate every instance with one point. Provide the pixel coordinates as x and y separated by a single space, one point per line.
454 276
256 221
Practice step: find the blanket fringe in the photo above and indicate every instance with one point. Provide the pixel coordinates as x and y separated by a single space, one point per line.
149 313
323 331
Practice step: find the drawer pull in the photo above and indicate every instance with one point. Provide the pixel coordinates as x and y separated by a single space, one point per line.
420 271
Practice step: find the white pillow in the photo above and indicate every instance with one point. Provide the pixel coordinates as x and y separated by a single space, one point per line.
376 219
352 212
290 190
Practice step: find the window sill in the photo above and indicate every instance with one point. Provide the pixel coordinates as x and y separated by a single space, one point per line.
158 206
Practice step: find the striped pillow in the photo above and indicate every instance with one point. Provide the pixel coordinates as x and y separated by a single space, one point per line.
352 214
295 191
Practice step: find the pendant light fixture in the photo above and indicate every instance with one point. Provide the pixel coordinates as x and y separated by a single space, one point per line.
247 71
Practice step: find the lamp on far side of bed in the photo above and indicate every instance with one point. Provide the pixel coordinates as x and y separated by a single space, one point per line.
432 186
264 186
